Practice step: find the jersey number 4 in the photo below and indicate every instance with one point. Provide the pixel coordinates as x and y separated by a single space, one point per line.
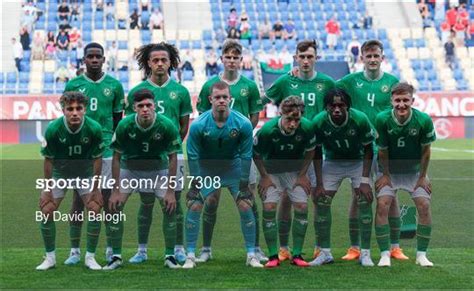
371 98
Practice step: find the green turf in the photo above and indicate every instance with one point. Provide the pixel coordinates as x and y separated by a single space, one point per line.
451 249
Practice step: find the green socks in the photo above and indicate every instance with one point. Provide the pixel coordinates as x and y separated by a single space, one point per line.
382 233
423 236
208 221
169 229
354 231
145 216
48 231
395 223
365 222
323 221
299 231
270 231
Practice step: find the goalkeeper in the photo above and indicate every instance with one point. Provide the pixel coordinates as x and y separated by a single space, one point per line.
219 148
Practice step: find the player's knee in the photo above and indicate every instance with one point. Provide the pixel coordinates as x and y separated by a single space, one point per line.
301 207
244 205
423 206
269 206
48 208
93 206
212 201
383 205
195 206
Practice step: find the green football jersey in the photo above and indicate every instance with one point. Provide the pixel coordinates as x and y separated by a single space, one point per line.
404 141
347 141
171 99
282 152
105 98
244 92
311 91
73 153
369 96
146 149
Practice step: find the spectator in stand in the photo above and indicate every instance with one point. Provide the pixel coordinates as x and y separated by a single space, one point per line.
278 30
75 12
134 19
17 51
133 63
333 31
264 30
156 19
112 56
367 21
110 11
25 38
187 62
145 5
62 74
353 50
79 53
234 33
62 40
37 47
50 37
72 70
423 8
144 19
449 53
247 59
211 64
50 51
445 31
459 32
63 11
64 25
245 32
27 20
99 5
232 19
74 37
290 30
463 14
452 16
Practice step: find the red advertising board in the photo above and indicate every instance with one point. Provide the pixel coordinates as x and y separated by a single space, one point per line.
446 104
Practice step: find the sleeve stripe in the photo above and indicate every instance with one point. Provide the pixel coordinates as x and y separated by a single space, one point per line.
310 149
186 113
366 143
98 156
424 144
383 147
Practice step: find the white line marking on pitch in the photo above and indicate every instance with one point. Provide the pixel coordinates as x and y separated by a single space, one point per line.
454 179
452 150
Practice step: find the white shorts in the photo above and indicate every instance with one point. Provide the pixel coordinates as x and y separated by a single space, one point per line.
107 170
180 173
285 182
144 182
311 175
61 192
405 182
334 172
253 174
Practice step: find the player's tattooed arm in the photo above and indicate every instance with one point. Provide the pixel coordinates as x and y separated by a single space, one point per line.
183 126
302 179
364 187
318 170
384 180
425 160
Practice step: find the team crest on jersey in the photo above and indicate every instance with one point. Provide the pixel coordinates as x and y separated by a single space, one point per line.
244 92
85 140
320 87
413 131
385 88
351 132
233 133
132 135
298 138
173 95
107 92
359 85
157 136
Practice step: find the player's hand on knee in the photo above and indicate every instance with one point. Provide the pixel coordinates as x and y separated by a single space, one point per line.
303 182
382 182
45 198
424 183
319 192
96 196
366 191
115 201
170 201
265 183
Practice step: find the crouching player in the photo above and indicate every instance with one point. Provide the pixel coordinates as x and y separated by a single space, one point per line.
145 145
219 146
347 137
404 138
72 148
283 151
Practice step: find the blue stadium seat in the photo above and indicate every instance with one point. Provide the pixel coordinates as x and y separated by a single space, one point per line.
416 64
99 15
40 25
462 85
86 26
184 45
26 55
255 45
2 79
99 24
291 44
420 75
87 17
10 88
409 43
428 65
122 45
52 26
123 76
25 66
458 75
423 85
196 44
435 86
72 55
24 77
146 36
60 87
48 78
432 75
23 88
267 44
110 24
420 42
11 77
87 35
187 75
382 34
48 88
248 74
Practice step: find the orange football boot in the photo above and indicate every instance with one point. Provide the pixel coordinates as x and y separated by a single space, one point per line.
397 253
352 254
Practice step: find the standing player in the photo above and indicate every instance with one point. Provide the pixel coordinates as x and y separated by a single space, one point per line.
105 106
173 100
404 138
283 151
72 148
370 93
347 136
145 147
312 86
219 148
246 100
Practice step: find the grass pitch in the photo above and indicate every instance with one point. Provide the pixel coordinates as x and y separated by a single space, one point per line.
451 249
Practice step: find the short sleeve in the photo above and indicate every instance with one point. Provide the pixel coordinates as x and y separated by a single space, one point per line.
98 147
274 93
203 103
174 144
382 136
119 98
428 133
368 133
117 139
185 107
47 145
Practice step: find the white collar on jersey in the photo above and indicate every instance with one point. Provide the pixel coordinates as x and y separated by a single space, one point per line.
376 79
398 122
92 81
140 127
221 75
158 86
282 130
67 126
343 124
